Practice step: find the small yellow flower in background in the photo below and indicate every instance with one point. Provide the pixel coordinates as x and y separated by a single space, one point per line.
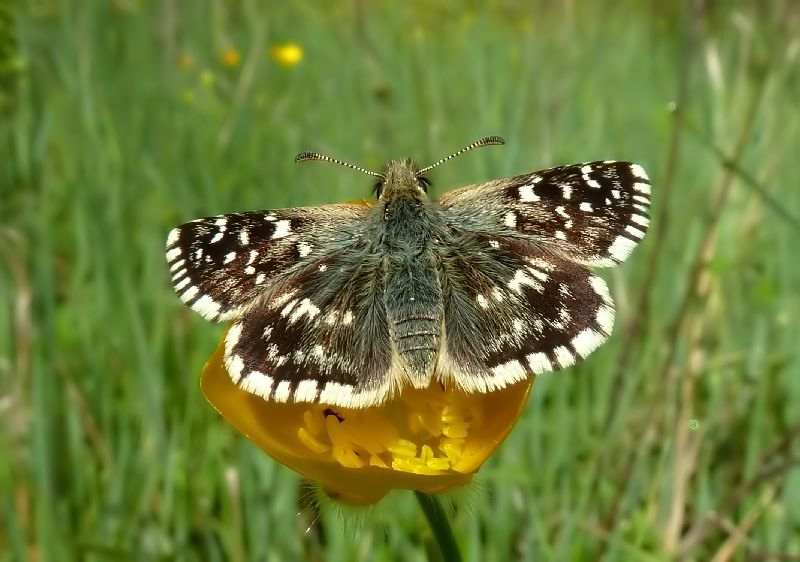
207 78
287 54
186 61
430 440
230 58
187 97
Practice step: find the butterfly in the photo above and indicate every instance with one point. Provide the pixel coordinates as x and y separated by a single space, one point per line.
347 304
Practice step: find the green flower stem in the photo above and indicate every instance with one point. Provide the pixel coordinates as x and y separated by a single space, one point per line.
440 526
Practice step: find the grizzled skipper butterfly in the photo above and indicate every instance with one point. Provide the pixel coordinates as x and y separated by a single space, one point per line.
346 304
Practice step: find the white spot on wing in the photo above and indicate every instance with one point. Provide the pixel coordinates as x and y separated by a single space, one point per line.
348 318
244 237
282 229
586 207
235 366
522 278
229 257
605 319
335 393
482 301
526 194
600 288
640 220
185 281
539 363
258 383
303 248
173 236
173 253
511 371
587 341
207 307
260 278
306 391
566 191
639 172
306 307
250 270
564 356
189 294
217 237
621 248
232 338
288 308
511 220
282 391
634 231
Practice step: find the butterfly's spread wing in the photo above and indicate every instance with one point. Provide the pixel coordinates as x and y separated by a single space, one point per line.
593 213
317 337
219 265
513 309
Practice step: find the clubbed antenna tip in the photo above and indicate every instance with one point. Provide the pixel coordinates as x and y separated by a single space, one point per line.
485 141
310 156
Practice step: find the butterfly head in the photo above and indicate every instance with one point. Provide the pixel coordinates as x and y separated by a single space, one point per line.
401 178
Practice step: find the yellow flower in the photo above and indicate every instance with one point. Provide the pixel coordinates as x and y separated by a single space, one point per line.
431 440
186 61
287 54
230 58
187 97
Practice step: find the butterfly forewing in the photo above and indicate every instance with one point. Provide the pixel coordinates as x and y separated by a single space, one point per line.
219 265
593 213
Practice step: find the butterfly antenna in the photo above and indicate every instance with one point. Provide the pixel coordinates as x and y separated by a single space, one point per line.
486 141
307 156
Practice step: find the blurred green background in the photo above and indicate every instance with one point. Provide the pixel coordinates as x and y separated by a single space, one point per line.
679 439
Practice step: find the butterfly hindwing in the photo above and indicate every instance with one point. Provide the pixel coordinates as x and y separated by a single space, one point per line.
514 310
593 213
220 264
319 335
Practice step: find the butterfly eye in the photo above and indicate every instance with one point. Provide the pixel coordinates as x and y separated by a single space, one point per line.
423 183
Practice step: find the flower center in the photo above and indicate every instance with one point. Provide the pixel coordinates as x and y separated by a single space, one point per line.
422 432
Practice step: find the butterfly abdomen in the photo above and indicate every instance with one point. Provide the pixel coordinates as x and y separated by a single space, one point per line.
413 295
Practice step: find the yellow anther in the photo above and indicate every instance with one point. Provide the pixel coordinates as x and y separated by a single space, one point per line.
403 448
452 448
375 460
307 439
452 413
456 430
314 420
346 457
